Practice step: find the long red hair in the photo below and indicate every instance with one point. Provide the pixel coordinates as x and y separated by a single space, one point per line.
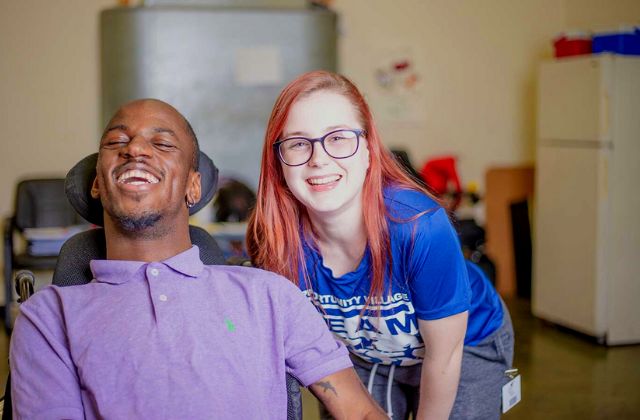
274 236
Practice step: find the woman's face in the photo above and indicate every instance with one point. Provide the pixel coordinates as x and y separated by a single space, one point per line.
326 185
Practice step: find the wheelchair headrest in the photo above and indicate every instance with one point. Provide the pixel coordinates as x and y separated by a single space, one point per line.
80 179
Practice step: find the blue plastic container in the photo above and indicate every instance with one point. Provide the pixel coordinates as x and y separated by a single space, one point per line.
625 43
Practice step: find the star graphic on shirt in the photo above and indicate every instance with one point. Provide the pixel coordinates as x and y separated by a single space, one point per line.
366 343
408 351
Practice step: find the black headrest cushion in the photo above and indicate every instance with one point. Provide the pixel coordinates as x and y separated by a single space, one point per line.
80 179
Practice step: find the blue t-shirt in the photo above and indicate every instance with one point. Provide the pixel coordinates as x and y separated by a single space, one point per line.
430 281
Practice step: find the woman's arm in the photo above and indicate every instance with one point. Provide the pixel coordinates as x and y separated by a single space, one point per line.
444 340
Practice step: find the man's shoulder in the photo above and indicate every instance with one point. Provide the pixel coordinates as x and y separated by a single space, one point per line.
53 292
247 275
259 290
51 302
241 271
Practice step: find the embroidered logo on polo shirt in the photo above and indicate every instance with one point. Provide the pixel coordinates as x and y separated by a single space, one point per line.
230 326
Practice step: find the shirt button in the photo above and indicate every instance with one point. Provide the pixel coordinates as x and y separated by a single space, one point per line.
154 271
163 298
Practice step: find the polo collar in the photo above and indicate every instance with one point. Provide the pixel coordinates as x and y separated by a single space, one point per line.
119 271
187 262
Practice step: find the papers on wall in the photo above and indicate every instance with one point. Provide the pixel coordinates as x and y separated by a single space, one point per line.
399 90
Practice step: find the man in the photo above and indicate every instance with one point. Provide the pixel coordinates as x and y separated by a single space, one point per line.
158 334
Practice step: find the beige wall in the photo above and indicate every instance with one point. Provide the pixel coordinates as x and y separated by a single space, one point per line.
49 87
601 15
477 60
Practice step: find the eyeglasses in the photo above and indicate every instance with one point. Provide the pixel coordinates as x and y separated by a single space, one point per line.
339 144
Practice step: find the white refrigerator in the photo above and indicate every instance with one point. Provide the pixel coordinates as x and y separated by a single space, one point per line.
587 210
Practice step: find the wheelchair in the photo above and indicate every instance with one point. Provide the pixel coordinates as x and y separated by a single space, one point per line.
72 266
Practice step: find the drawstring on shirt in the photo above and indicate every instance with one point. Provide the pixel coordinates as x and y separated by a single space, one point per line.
372 376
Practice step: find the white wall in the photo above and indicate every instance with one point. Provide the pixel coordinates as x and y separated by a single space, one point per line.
48 89
478 63
477 60
601 15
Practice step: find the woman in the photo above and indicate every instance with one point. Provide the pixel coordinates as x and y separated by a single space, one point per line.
377 256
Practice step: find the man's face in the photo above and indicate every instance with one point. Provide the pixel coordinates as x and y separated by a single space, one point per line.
144 174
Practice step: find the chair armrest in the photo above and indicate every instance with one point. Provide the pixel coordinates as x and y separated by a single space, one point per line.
8 228
294 399
9 223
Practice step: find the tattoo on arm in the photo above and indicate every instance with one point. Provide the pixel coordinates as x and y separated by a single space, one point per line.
326 386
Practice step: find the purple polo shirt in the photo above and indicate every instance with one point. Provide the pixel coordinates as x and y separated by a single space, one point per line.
170 339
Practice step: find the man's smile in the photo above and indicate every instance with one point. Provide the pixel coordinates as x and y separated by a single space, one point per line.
137 177
136 174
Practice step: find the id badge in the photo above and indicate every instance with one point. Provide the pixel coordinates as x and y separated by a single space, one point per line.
511 392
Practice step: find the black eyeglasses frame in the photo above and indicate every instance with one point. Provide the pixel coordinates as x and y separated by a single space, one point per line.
357 131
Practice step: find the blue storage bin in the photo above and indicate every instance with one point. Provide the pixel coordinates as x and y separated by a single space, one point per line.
626 43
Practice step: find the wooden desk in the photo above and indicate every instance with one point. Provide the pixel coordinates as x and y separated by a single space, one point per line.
504 185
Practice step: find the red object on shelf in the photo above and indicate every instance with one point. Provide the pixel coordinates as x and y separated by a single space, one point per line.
566 46
441 176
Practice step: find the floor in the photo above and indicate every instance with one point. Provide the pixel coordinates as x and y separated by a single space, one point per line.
564 375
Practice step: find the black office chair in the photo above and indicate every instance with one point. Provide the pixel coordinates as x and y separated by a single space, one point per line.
78 251
39 203
234 201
